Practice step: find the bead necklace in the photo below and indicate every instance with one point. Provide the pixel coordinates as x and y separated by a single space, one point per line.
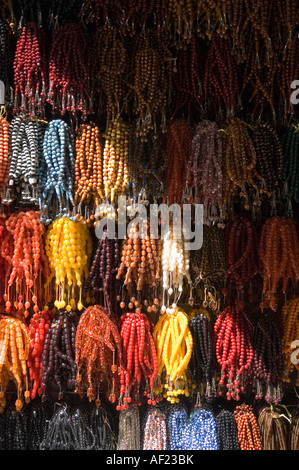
288 70
69 64
178 150
14 336
139 359
38 327
174 343
175 261
269 157
187 80
101 284
101 426
227 433
147 163
16 429
290 331
56 178
279 255
98 354
155 433
24 251
58 358
4 154
150 78
261 64
69 248
242 262
109 73
234 351
268 359
26 137
115 159
240 161
176 423
30 71
290 145
140 267
249 435
38 417
129 429
220 83
68 430
202 361
88 166
6 65
208 263
274 428
200 431
204 175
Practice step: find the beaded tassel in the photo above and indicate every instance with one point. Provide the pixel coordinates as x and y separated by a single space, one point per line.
155 434
68 247
98 354
56 176
14 337
174 344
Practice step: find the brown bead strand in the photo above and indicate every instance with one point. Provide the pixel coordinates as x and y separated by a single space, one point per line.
88 166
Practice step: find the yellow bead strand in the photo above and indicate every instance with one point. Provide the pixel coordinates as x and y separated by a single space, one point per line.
174 344
69 249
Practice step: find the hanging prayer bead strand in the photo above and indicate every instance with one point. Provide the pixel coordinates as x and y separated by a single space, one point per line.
115 159
69 64
38 327
88 166
58 358
129 429
274 428
234 351
220 84
23 249
204 174
249 435
98 354
155 433
26 137
174 343
278 252
227 433
178 150
56 177
139 359
69 247
202 363
30 71
239 161
4 154
267 363
102 285
242 261
140 267
290 145
15 339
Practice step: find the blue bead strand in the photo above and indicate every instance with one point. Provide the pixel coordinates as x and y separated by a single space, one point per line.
57 169
200 432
